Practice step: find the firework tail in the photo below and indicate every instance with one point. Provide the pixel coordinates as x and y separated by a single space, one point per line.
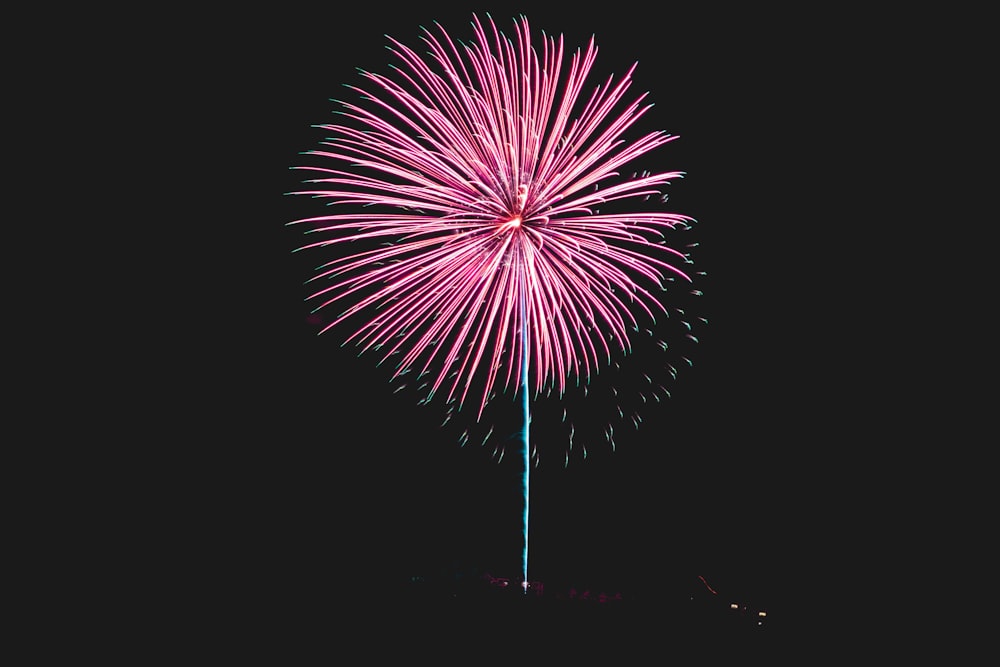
525 452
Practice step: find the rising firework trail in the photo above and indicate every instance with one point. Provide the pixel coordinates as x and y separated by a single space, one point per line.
468 243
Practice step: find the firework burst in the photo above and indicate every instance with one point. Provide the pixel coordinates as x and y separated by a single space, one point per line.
472 181
477 237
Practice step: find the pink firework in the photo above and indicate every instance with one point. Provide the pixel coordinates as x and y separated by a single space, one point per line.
467 191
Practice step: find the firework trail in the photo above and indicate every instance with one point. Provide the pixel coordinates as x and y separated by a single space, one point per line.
469 246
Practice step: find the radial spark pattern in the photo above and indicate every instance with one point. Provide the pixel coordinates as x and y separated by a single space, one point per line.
474 176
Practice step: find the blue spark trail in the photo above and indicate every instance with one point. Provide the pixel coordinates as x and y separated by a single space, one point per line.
525 451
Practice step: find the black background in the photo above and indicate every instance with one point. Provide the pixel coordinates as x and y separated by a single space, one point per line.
300 486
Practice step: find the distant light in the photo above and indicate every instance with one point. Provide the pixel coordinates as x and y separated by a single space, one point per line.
733 605
762 613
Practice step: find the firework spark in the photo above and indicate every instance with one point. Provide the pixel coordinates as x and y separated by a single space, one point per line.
482 169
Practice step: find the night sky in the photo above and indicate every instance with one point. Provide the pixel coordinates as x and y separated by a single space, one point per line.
335 488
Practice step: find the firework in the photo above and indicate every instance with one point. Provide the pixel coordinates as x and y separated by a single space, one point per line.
468 243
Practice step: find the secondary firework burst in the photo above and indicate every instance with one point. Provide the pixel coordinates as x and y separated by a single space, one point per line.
488 232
